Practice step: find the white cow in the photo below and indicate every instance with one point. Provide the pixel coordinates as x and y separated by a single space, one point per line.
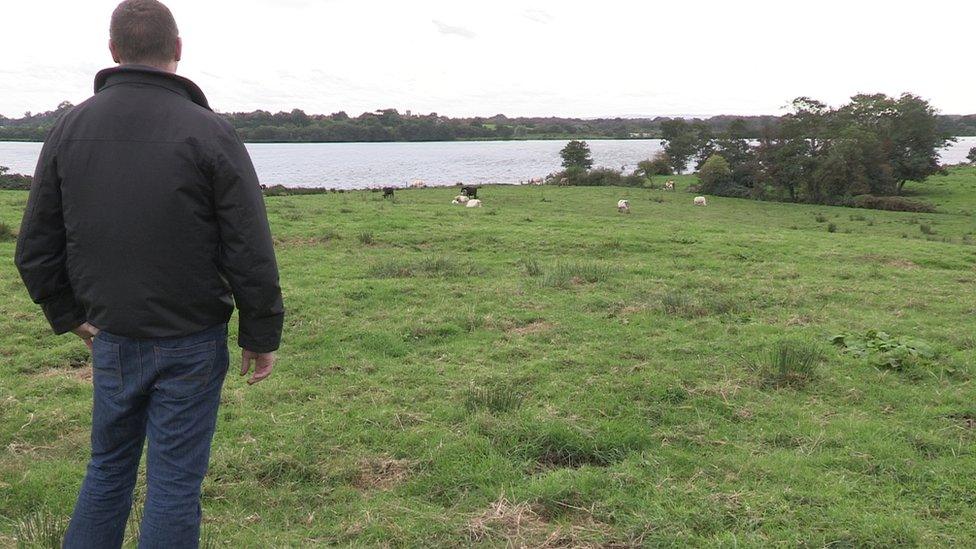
623 206
418 184
473 203
460 199
669 186
700 201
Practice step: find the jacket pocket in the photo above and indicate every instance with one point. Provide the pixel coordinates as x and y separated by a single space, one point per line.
185 372
106 367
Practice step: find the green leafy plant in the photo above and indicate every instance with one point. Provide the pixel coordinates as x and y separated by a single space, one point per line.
883 350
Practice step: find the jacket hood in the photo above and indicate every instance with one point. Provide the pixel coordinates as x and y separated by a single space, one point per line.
151 75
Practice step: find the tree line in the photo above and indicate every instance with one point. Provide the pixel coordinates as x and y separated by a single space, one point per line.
872 145
391 125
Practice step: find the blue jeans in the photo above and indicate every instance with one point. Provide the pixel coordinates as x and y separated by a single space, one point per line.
166 390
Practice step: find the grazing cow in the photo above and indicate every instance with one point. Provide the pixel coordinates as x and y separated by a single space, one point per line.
669 186
460 199
564 181
623 206
388 192
418 184
473 203
700 201
470 191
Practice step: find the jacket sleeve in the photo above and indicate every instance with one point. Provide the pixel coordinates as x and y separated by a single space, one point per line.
40 255
247 255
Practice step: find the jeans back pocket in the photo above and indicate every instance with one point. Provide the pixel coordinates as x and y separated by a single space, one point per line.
106 367
184 372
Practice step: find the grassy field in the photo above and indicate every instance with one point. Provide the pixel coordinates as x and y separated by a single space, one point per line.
547 372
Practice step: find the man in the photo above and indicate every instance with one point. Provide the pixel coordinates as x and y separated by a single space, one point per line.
145 224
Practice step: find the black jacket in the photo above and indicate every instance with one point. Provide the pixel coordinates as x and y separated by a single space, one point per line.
146 219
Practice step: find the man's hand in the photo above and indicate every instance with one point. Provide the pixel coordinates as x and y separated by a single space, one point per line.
86 332
263 364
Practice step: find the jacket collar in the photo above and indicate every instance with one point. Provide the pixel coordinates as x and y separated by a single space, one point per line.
151 75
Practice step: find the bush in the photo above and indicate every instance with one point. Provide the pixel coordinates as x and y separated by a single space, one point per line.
889 203
659 165
715 174
600 177
972 155
14 181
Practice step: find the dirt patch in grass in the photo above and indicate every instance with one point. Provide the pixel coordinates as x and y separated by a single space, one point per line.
382 473
511 524
896 262
82 373
534 327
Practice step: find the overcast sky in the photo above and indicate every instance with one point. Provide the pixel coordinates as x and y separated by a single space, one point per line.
528 57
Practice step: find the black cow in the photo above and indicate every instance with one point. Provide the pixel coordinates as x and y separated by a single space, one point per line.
388 192
470 191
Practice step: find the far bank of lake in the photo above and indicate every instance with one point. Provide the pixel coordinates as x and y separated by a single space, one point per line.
360 165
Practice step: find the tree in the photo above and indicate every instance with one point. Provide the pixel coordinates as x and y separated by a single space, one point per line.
972 155
659 165
906 130
576 154
679 142
715 175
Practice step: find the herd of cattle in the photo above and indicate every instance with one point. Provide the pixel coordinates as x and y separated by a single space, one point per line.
469 195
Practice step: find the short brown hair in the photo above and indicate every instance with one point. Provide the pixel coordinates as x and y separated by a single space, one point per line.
144 31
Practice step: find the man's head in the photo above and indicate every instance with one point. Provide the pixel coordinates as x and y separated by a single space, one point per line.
144 32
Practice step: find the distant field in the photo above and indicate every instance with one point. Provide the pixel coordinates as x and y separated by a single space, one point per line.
546 371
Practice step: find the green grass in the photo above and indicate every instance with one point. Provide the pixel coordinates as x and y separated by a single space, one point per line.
550 371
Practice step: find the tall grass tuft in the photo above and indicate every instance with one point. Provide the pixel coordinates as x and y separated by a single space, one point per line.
494 397
40 530
6 233
567 273
432 266
789 364
531 267
366 238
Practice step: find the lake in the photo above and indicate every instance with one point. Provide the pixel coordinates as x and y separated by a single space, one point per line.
359 165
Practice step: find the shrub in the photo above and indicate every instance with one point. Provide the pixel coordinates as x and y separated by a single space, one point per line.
832 228
972 155
889 203
715 175
789 364
14 181
600 177
659 165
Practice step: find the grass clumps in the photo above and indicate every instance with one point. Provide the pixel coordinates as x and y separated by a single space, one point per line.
6 233
40 530
493 397
430 266
788 363
565 274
